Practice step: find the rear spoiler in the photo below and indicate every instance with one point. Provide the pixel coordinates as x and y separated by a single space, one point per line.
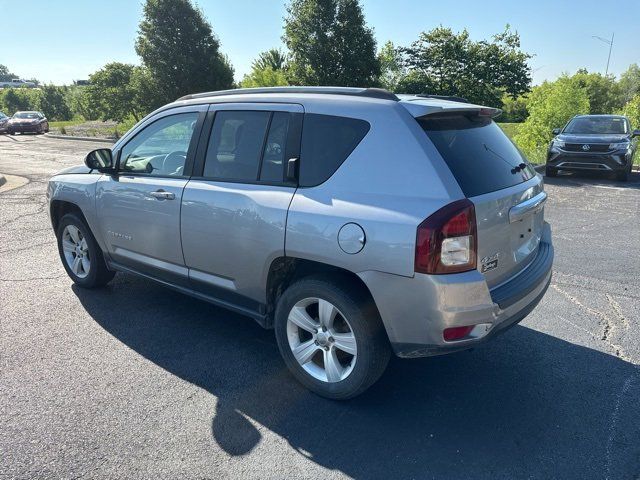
421 107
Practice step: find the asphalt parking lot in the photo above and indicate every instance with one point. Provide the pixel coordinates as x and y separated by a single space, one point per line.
137 381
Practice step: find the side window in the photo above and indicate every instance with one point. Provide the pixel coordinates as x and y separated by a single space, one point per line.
235 145
161 148
327 141
272 169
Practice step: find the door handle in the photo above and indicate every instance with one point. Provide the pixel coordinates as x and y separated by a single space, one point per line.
162 195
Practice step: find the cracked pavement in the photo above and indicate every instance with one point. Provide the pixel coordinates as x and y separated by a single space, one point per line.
137 381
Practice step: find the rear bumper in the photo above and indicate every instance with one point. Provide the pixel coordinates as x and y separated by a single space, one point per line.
618 160
415 311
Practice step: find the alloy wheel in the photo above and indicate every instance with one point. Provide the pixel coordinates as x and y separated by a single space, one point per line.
321 340
76 251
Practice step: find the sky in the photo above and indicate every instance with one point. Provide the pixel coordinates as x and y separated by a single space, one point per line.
65 40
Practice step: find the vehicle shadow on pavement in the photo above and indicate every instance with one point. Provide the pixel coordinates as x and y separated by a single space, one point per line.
526 405
581 179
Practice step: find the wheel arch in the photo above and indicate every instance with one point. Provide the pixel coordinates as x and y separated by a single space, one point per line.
284 271
59 208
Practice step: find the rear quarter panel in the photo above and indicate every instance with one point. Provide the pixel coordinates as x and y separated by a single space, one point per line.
390 183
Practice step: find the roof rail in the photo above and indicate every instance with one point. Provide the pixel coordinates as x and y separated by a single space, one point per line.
351 91
451 98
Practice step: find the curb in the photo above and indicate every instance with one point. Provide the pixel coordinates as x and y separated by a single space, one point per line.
3 180
84 139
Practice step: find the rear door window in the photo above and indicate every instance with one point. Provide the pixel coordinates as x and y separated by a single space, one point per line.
235 145
272 169
327 141
478 153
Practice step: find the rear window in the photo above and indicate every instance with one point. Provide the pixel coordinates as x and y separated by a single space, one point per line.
327 141
478 153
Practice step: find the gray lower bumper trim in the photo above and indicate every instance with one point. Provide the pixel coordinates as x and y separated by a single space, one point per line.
511 292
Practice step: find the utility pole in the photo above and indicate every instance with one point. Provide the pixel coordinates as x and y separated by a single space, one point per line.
610 43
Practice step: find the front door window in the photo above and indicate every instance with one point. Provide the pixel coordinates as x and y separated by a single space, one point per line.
161 148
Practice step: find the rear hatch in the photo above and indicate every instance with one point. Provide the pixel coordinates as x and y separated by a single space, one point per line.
507 194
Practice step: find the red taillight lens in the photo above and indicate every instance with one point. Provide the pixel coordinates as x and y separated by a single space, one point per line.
446 241
456 333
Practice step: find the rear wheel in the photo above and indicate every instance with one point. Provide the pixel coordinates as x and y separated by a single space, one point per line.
331 339
80 254
550 171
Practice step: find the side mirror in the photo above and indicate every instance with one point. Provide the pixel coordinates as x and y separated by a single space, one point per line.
636 133
100 159
556 131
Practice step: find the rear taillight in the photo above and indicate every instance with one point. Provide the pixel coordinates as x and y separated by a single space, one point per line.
446 241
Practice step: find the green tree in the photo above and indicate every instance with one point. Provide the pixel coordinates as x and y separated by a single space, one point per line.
5 74
514 110
550 106
603 92
112 93
632 111
446 63
13 100
81 103
273 59
268 70
630 82
391 66
54 104
146 96
264 77
177 45
330 44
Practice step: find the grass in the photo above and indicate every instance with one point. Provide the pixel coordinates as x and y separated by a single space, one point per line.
66 123
83 128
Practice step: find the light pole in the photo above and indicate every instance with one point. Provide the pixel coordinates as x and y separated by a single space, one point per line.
610 43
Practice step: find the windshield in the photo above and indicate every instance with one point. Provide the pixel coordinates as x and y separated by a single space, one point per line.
2 115
26 115
597 125
478 153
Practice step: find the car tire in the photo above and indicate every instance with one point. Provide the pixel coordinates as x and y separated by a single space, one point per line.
356 326
622 176
550 171
12 133
81 255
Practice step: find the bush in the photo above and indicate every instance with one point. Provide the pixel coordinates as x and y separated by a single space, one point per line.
551 105
514 110
264 77
81 104
632 111
13 100
53 103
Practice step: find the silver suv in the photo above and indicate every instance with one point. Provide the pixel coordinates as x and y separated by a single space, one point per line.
352 221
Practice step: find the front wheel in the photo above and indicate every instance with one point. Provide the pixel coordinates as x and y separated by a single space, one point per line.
331 339
80 254
622 176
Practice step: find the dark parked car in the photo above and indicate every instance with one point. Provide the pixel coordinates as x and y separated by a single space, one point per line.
24 122
601 143
4 120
